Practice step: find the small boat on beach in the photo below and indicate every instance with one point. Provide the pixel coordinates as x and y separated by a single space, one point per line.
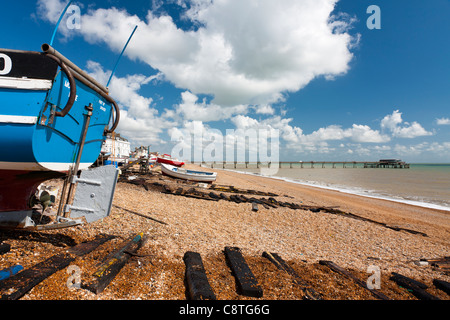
186 174
167 159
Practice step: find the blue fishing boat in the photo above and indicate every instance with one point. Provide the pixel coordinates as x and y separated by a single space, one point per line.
53 117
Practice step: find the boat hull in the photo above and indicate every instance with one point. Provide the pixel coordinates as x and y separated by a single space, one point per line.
170 162
190 175
35 143
17 186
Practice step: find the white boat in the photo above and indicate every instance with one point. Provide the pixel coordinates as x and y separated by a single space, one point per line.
187 174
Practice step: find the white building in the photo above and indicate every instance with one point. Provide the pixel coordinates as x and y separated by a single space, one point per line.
121 146
141 151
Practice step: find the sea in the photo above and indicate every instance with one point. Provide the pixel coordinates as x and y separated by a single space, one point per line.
424 184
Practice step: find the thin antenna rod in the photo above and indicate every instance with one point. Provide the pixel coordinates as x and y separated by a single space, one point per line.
59 21
123 50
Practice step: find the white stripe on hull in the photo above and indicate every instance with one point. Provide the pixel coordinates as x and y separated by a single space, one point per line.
43 166
18 119
25 83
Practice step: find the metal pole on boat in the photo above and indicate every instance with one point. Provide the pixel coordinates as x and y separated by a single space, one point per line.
123 50
74 170
59 21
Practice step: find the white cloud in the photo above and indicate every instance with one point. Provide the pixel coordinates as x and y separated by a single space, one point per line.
139 121
393 123
243 52
264 109
296 139
190 109
443 121
50 10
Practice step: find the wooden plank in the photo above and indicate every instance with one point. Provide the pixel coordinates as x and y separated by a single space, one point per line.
141 215
4 248
19 284
24 281
442 285
232 189
417 288
245 280
412 281
112 265
349 275
196 279
310 293
89 246
441 263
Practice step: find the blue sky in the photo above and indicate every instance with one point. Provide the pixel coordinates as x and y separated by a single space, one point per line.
311 70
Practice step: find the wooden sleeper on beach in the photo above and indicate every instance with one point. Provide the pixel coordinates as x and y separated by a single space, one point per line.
113 264
333 266
245 280
417 288
196 279
310 293
19 284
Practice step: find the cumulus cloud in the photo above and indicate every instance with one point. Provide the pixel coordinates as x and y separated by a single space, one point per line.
298 140
443 121
191 109
50 10
400 129
243 52
245 56
139 120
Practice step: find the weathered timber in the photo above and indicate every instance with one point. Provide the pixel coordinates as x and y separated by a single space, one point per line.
112 265
235 199
4 248
245 280
232 189
310 293
354 216
416 283
224 197
338 269
214 196
89 246
27 279
442 285
417 288
140 214
189 193
271 202
24 281
441 263
196 279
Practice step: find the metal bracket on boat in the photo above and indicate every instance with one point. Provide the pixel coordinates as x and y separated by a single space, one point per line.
83 77
22 220
73 86
60 223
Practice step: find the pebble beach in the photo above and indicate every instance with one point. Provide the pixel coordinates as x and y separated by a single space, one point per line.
301 237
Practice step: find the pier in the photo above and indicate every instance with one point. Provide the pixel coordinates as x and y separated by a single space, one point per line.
388 163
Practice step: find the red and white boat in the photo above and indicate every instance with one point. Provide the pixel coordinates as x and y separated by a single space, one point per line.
167 159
